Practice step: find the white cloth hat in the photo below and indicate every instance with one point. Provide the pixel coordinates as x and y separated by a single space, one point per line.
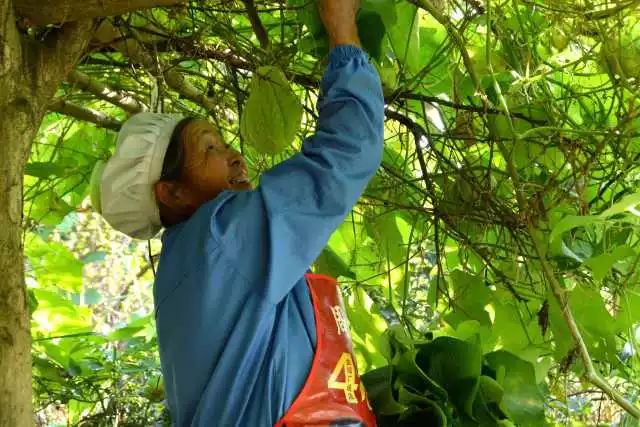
128 200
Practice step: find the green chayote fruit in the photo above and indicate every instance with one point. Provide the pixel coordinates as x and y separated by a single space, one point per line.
272 114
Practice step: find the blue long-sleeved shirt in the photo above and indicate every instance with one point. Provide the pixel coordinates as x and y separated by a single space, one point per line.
234 316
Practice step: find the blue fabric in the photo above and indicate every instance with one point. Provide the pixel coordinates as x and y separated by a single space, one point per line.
234 316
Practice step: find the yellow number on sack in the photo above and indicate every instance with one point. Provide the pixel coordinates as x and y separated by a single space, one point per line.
345 364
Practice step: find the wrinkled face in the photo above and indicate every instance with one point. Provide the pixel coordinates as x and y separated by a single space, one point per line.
209 167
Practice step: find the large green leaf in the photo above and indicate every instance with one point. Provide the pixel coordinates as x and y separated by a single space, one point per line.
623 205
384 229
470 297
413 375
629 308
523 399
54 264
455 365
405 37
602 264
569 223
330 263
45 169
58 315
508 326
594 321
385 8
379 389
371 29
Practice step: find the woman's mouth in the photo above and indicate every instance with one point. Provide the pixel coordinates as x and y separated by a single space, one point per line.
242 179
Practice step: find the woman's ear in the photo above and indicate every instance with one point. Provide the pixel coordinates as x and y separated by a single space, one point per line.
172 199
168 193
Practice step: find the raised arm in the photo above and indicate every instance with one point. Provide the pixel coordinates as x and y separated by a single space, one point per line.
273 233
339 19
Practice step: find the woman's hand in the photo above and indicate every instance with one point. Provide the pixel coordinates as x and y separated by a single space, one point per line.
339 19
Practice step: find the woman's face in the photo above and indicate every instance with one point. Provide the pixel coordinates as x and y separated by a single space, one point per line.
210 167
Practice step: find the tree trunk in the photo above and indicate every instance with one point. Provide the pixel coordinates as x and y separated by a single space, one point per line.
17 128
29 76
18 122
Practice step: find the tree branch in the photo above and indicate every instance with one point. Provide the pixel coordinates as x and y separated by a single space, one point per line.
102 91
256 23
59 11
11 48
453 33
109 35
86 114
463 107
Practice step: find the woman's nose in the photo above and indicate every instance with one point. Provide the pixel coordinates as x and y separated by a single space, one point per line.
237 159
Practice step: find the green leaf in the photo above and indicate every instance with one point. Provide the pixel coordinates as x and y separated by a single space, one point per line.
59 315
385 8
371 30
456 366
384 229
45 169
469 300
523 400
95 185
134 328
48 208
367 328
54 265
378 384
155 391
486 410
309 16
405 37
412 375
570 222
78 410
491 389
602 264
594 321
422 409
563 342
49 369
330 263
622 206
629 313
507 327
317 41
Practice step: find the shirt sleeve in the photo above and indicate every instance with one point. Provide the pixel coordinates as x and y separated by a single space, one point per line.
273 233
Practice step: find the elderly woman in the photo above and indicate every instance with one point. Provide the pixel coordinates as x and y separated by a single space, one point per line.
247 336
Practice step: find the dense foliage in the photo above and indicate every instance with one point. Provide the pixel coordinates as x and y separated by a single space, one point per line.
490 268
